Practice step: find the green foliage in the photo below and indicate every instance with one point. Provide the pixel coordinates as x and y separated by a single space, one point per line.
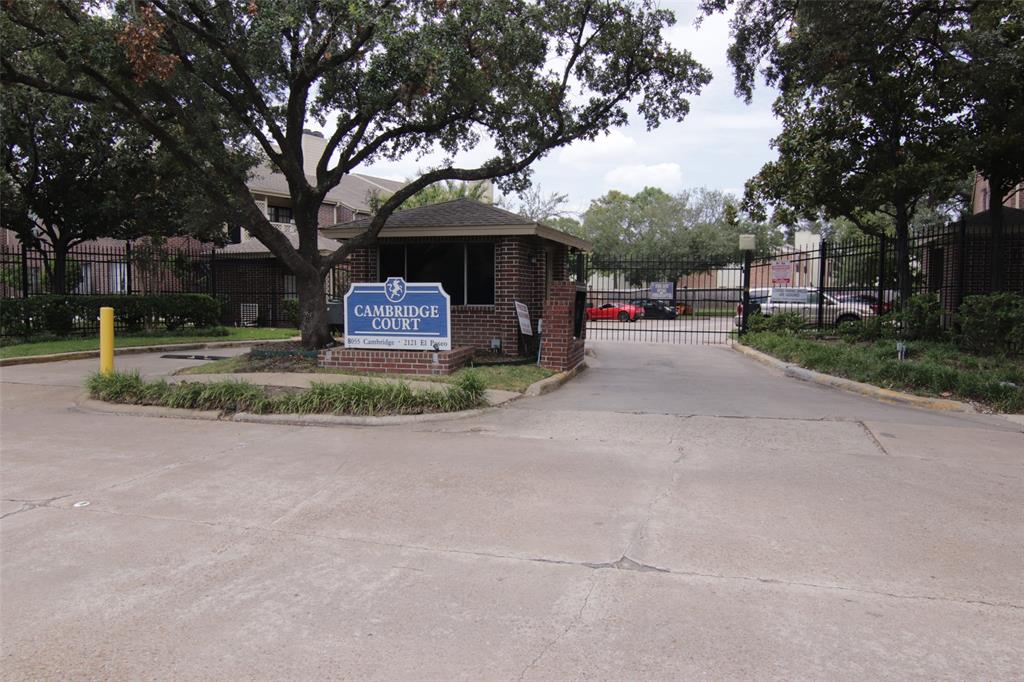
362 398
920 318
290 312
63 181
439 192
780 323
932 368
868 125
59 315
699 226
991 323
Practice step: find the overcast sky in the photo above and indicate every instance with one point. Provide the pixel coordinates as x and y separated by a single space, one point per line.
720 144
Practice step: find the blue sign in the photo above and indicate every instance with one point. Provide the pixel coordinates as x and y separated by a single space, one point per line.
662 290
398 315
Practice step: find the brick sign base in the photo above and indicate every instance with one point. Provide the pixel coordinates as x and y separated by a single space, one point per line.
395 361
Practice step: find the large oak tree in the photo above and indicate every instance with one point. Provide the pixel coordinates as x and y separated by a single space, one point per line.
386 78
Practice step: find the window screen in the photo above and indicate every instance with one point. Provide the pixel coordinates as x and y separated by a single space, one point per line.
456 266
444 263
392 261
480 274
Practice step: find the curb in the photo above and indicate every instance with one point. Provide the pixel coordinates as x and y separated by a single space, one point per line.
553 382
883 394
131 350
90 405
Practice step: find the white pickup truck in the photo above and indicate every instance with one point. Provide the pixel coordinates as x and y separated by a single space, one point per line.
804 302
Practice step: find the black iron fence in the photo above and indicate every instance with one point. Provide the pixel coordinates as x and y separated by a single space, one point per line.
676 300
253 288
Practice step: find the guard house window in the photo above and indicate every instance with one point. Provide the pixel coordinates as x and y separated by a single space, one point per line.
466 271
279 214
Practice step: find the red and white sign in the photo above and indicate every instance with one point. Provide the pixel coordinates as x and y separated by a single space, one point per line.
782 273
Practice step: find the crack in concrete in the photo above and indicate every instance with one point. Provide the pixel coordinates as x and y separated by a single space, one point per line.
565 631
874 438
624 563
28 505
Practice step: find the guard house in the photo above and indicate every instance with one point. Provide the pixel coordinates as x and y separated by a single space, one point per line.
487 259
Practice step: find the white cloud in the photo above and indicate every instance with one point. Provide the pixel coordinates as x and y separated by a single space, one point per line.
633 178
606 149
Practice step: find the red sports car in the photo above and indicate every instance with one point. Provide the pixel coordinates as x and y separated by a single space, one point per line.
623 312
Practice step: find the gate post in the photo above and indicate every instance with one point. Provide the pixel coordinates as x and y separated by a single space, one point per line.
128 266
822 262
747 261
962 264
881 274
24 271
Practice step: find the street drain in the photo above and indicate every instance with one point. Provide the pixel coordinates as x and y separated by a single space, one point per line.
172 356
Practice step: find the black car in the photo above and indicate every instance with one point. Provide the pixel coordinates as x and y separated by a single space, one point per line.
655 310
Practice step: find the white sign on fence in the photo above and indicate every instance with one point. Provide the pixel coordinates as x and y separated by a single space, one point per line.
782 273
790 295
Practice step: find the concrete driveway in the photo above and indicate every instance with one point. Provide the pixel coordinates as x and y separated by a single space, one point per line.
676 512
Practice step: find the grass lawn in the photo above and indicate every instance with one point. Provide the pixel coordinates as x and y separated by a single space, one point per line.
931 368
18 350
503 377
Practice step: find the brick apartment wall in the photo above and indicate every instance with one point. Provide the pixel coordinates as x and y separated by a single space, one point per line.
395 361
560 350
325 215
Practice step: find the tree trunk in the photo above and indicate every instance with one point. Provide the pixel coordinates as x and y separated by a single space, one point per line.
59 280
903 255
996 192
313 311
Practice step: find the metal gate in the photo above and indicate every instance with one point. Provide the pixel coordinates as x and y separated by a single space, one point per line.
661 301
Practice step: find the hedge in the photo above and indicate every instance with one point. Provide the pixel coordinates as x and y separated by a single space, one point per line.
62 315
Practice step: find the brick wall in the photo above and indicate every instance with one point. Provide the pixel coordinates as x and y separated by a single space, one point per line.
395 361
325 215
560 350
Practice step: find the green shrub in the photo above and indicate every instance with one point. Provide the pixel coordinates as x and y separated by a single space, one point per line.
60 315
290 312
920 318
787 322
128 388
991 322
355 398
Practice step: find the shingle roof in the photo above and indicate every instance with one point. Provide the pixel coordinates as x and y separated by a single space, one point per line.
454 213
354 191
253 248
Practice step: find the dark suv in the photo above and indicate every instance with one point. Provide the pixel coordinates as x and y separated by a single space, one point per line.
654 309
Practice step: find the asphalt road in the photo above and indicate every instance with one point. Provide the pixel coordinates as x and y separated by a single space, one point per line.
676 512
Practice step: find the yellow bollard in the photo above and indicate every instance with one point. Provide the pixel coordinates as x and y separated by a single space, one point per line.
106 340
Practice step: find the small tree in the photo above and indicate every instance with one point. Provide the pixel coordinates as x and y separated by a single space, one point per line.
393 78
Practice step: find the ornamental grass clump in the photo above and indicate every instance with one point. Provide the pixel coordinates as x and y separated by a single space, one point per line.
360 398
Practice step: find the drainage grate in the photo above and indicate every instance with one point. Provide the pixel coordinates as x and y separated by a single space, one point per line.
172 356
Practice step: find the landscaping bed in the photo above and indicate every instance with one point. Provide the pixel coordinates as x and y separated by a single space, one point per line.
16 348
357 398
507 377
932 368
